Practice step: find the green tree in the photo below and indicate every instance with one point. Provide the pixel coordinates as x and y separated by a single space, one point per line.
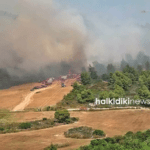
110 69
119 91
62 115
130 70
93 72
147 65
139 68
85 78
104 95
105 77
148 83
85 96
143 92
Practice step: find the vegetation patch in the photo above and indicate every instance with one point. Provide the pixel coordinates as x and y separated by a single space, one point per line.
62 117
130 141
84 132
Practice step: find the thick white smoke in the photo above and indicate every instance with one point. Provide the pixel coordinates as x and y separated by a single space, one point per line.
45 34
41 35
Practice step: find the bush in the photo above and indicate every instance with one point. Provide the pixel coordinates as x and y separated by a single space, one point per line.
1 129
147 133
98 142
82 132
74 119
99 132
130 133
51 147
25 125
110 140
44 119
62 115
68 121
118 138
48 108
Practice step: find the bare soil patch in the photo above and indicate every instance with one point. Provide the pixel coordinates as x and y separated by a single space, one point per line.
9 98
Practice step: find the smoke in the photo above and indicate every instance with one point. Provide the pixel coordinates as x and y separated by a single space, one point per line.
40 39
42 35
113 41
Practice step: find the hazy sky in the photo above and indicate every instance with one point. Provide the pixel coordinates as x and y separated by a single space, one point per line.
113 27
116 11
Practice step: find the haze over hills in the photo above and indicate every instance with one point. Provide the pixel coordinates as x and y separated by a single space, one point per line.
42 39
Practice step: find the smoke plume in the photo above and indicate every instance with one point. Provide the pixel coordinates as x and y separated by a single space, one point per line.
42 35
40 39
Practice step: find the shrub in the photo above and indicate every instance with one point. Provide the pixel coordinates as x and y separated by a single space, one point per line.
80 132
83 132
110 140
99 132
98 142
48 108
25 125
74 119
68 121
44 119
118 138
130 133
1 129
51 147
62 115
147 133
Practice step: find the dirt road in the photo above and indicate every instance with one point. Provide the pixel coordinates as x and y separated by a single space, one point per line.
28 99
50 96
10 98
45 96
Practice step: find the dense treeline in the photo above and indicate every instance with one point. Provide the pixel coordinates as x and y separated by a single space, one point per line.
141 62
128 83
130 141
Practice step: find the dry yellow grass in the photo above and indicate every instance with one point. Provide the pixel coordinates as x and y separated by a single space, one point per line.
112 122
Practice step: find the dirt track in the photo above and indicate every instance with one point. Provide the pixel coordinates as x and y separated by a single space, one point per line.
113 122
51 96
20 97
11 97
27 99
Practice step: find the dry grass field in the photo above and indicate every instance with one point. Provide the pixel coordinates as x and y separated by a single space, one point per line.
112 122
11 97
18 95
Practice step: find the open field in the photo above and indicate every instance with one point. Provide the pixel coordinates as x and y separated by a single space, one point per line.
20 97
112 122
52 95
9 98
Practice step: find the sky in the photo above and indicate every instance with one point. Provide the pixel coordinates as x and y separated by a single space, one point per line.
116 11
116 25
109 28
